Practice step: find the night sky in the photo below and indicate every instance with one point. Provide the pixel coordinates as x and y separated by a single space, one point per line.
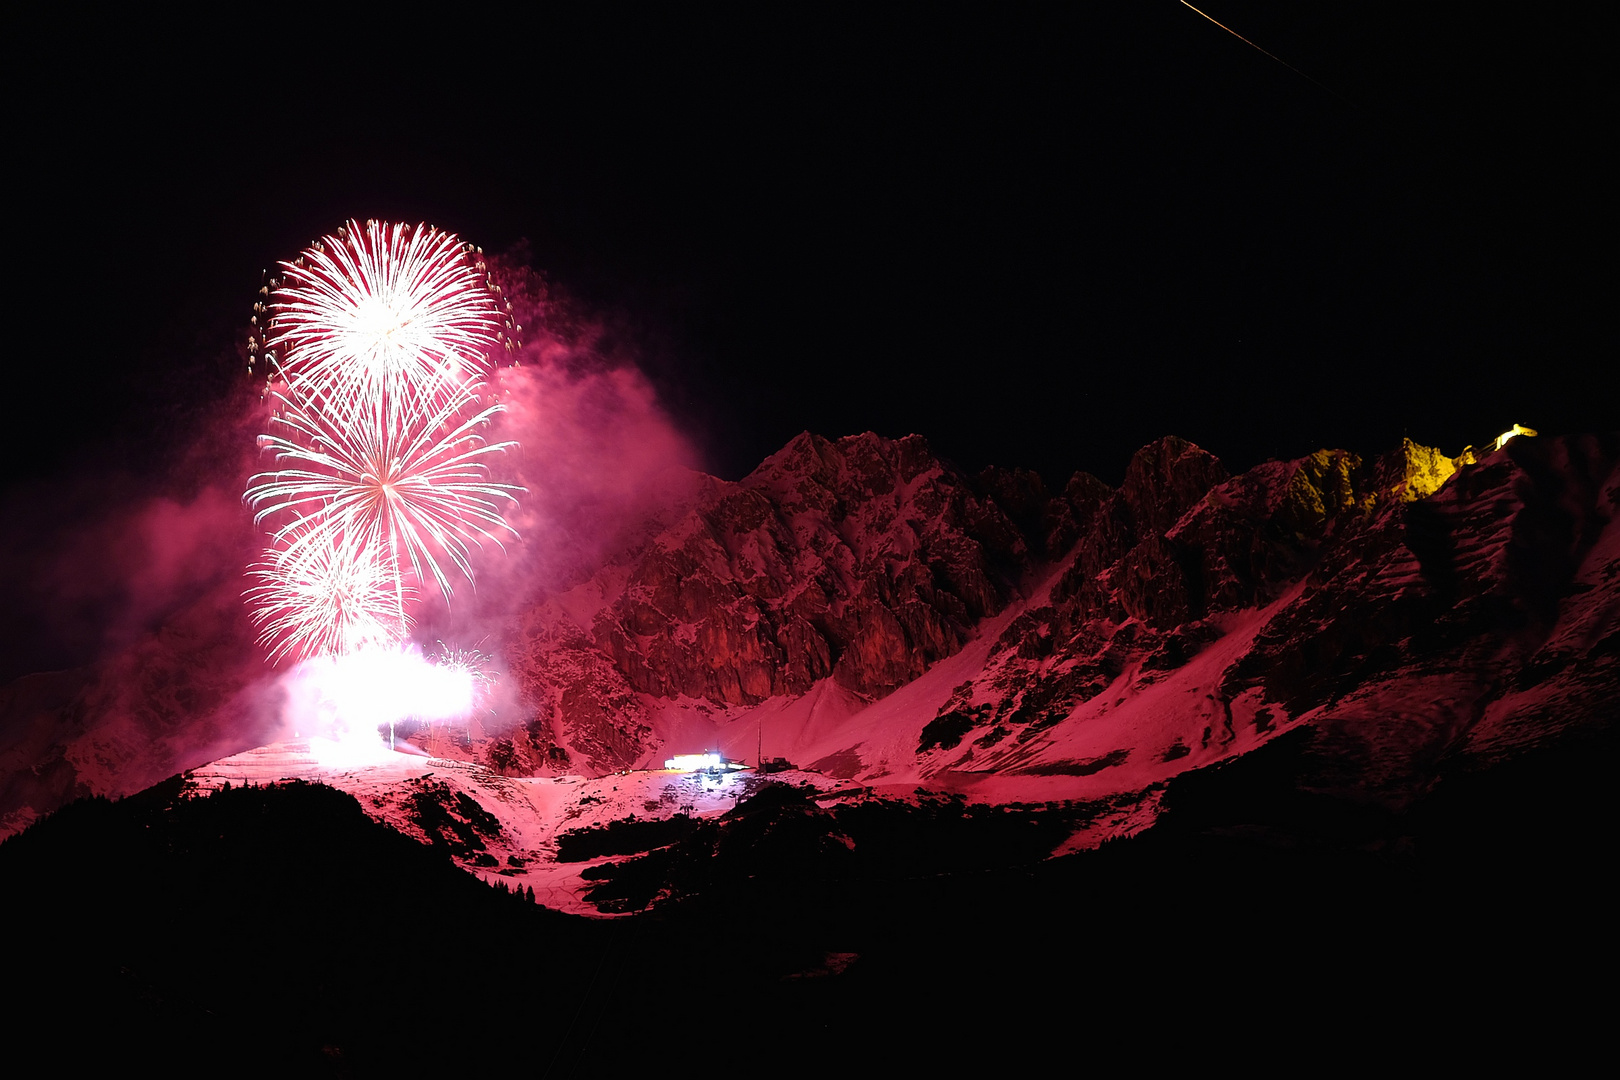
1038 238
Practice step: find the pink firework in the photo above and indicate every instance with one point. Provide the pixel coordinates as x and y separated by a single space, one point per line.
413 485
316 597
381 313
376 341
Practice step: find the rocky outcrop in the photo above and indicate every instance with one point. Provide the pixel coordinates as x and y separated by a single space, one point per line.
1164 480
865 560
581 713
1412 471
1259 532
1410 629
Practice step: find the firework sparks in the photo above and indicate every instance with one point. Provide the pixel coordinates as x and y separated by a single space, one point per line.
376 342
409 484
472 666
477 666
381 313
349 701
317 598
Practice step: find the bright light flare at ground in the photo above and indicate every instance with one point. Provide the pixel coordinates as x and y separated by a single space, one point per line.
345 704
693 762
705 762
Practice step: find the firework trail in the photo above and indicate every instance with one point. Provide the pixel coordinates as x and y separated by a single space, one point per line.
376 344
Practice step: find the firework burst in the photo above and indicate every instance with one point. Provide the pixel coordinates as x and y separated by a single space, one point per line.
376 343
316 597
412 484
475 666
381 313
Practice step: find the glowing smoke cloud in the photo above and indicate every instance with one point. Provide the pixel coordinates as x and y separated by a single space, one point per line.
377 345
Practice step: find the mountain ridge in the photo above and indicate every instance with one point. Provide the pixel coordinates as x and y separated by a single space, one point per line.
867 611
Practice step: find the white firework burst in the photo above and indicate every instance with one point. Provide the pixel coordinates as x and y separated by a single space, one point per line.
317 596
376 341
414 486
383 312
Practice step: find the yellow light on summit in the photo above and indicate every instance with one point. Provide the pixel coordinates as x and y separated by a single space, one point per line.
1518 429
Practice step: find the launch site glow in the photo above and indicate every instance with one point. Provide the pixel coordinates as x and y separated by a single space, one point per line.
709 762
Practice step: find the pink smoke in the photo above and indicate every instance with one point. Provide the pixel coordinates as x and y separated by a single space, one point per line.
146 587
601 463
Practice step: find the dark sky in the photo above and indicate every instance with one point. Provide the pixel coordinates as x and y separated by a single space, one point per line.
1036 237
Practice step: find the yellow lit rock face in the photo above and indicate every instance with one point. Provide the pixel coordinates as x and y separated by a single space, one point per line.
1427 469
1331 475
1323 486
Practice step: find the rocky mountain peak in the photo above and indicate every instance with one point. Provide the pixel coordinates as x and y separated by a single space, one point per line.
1164 480
864 559
853 468
1412 471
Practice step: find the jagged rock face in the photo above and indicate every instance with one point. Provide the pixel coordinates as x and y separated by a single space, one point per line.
1152 586
1164 480
1180 541
582 712
865 559
1259 532
1072 516
1177 543
1408 631
1124 579
1412 472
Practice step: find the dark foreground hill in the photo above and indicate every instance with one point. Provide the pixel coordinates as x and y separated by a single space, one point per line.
280 931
